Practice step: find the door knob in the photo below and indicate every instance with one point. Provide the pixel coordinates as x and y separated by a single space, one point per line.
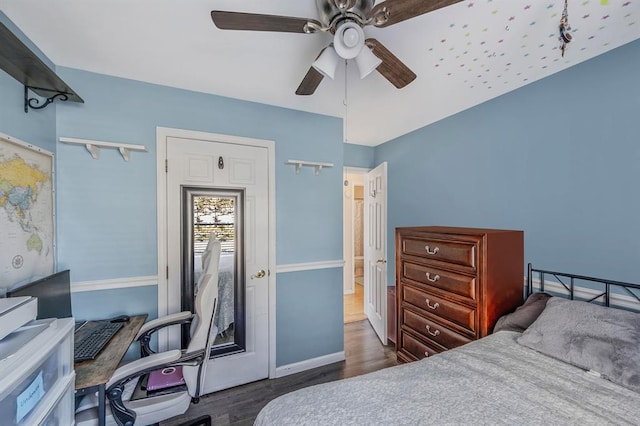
381 261
260 274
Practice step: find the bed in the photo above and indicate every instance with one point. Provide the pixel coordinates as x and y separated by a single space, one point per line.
568 362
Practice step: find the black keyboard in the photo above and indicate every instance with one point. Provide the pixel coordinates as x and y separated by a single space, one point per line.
91 344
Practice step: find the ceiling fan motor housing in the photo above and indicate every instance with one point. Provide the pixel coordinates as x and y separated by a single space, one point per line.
329 10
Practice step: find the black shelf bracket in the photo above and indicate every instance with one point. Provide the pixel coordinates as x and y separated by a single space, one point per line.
34 103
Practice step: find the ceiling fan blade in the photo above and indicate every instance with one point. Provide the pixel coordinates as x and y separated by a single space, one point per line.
310 82
391 67
256 22
401 10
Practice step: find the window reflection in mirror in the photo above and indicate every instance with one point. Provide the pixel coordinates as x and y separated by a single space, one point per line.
217 213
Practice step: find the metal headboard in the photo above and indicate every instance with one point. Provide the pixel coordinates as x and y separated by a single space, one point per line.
568 282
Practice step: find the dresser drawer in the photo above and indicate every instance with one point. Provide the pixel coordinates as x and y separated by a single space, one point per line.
462 315
462 285
433 331
458 252
415 347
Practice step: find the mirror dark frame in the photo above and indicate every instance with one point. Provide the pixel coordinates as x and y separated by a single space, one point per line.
189 194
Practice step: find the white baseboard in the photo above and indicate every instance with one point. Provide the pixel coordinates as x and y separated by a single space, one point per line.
308 364
584 293
115 283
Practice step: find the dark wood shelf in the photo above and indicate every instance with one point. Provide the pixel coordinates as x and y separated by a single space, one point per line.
23 65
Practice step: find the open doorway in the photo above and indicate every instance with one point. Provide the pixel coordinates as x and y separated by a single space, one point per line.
353 218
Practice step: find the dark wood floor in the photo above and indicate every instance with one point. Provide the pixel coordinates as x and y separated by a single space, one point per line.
240 405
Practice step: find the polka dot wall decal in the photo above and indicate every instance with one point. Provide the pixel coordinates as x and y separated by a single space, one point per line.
625 4
527 7
532 23
470 4
605 17
586 16
550 6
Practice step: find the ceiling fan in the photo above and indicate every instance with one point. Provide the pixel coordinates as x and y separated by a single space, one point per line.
345 20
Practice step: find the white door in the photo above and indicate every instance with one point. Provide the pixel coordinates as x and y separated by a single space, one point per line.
209 163
375 252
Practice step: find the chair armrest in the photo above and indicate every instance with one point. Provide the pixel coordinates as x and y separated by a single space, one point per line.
148 328
115 387
165 321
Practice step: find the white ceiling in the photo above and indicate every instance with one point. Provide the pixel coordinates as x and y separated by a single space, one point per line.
463 55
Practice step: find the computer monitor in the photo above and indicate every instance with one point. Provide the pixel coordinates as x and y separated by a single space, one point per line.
53 293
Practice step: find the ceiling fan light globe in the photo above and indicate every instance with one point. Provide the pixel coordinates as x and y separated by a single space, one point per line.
327 62
350 37
348 40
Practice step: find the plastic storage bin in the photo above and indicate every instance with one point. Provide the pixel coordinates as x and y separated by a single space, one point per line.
36 363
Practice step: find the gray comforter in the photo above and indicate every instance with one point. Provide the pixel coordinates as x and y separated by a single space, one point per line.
492 381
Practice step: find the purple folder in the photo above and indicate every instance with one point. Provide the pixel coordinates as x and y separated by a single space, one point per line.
165 378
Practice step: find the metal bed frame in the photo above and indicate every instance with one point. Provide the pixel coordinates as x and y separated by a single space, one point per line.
629 288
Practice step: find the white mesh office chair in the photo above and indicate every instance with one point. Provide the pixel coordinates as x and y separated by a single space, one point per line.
152 408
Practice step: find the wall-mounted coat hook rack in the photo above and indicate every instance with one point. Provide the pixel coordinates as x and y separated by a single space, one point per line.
300 163
94 147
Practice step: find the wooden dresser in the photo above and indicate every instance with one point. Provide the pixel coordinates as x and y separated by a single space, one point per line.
453 284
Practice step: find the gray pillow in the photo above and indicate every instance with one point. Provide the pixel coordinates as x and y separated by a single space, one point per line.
524 315
592 337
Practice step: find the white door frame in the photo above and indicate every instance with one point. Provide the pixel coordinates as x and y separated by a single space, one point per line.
347 237
162 133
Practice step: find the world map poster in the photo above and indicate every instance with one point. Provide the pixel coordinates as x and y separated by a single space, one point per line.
26 213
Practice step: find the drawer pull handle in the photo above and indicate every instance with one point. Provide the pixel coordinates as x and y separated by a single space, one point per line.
429 251
434 279
434 306
433 333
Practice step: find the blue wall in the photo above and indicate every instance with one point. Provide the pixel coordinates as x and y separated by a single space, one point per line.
559 159
313 329
359 156
107 207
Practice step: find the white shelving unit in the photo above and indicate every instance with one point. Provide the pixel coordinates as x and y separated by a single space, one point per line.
37 378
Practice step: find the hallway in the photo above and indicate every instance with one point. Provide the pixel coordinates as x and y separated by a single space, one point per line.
354 304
